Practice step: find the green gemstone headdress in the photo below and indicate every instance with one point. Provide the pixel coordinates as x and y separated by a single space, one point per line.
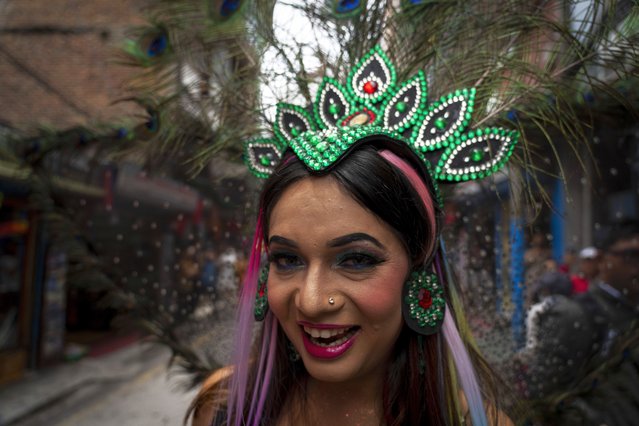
372 103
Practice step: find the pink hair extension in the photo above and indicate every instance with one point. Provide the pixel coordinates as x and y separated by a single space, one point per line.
418 185
269 361
465 371
269 344
244 332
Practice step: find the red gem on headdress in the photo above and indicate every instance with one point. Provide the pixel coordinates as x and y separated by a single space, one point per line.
370 87
425 299
261 290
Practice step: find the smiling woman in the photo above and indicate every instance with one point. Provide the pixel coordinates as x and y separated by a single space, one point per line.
360 320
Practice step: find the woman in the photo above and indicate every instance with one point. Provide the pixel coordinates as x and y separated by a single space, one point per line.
360 319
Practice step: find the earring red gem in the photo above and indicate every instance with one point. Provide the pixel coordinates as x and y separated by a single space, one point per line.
425 298
370 87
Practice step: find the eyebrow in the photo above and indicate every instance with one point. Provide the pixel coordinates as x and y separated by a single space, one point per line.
337 242
281 240
351 238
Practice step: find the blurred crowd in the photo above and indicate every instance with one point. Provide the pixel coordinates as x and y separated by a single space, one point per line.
580 362
208 280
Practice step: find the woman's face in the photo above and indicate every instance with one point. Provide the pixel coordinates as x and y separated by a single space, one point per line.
323 246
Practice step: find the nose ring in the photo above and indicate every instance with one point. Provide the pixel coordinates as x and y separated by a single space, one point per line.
331 301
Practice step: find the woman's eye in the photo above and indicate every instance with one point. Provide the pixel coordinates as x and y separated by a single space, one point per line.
358 261
285 261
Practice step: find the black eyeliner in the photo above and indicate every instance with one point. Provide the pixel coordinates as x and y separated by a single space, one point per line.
373 258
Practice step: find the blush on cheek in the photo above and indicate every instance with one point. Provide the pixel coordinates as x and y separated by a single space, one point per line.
384 308
381 298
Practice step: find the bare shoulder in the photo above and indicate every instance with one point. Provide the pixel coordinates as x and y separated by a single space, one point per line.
211 398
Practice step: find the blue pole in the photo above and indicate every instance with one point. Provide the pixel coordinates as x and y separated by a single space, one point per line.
558 221
517 247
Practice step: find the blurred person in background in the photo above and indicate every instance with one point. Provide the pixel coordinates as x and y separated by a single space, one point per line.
550 344
588 270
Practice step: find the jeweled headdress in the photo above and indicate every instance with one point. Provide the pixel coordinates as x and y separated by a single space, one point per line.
372 103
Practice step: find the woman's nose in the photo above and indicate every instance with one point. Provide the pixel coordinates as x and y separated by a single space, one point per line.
314 296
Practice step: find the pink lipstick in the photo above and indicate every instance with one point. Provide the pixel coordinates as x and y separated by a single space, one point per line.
327 341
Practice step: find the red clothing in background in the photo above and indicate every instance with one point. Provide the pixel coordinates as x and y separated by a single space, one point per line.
579 284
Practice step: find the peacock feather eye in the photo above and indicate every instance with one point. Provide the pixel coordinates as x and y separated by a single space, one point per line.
291 121
445 120
151 126
229 7
347 8
157 44
476 154
402 110
331 103
261 156
224 10
153 44
372 78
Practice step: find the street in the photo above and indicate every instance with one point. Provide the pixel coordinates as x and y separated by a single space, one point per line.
130 387
149 397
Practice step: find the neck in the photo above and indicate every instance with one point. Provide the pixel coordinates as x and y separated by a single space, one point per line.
353 402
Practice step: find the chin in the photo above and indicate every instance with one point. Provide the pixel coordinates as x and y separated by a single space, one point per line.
329 372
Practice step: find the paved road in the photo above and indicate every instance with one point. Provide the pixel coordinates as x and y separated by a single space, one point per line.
133 388
150 397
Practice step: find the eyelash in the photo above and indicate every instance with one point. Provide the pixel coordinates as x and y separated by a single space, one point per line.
358 260
285 261
354 261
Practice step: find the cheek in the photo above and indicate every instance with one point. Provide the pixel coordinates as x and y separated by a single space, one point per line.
278 300
382 302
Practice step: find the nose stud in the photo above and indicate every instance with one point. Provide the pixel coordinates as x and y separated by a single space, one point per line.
331 301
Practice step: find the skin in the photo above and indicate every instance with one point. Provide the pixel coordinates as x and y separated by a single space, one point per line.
622 272
589 268
323 244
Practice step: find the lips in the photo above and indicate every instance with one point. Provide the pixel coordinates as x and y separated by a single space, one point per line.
328 342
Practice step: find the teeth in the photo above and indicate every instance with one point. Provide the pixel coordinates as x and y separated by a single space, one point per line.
335 343
324 333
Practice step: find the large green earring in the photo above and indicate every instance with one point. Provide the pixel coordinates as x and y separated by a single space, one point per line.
261 295
424 305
